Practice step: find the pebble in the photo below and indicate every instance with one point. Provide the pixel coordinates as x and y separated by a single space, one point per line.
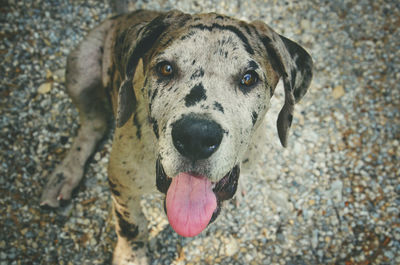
45 88
330 197
231 247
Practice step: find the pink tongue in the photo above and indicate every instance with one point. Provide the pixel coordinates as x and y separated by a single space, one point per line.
190 204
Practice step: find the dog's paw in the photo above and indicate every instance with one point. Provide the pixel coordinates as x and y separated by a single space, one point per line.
59 186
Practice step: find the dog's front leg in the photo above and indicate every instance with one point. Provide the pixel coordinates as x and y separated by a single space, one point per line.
131 227
130 223
130 177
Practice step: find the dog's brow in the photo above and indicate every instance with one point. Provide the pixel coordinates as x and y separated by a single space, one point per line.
230 28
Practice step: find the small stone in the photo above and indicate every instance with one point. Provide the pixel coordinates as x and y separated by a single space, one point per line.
49 74
305 24
45 88
231 247
338 92
59 75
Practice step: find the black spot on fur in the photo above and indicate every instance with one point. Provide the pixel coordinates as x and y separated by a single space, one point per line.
247 28
160 80
59 179
197 94
128 230
152 98
136 245
268 86
182 21
194 61
290 119
303 59
138 126
113 187
254 117
120 46
219 17
218 106
126 102
154 95
110 85
198 73
126 214
190 34
167 43
293 74
203 106
275 59
231 28
155 128
252 65
297 93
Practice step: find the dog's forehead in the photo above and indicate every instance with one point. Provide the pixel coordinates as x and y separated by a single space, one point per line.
209 41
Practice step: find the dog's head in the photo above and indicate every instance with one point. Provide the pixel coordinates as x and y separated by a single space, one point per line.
208 80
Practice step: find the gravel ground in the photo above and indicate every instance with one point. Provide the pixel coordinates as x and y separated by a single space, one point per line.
331 197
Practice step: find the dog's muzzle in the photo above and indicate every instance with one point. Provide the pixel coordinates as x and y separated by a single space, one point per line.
192 201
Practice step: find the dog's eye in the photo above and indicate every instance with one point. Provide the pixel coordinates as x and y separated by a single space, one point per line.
166 69
249 78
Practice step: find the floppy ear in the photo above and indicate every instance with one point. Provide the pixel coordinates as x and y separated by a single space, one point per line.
134 44
294 65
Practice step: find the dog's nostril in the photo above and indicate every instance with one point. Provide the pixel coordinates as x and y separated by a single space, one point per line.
195 137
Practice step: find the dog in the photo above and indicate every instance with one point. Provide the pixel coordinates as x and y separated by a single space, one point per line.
188 94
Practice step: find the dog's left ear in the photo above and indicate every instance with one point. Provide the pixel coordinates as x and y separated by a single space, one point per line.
294 65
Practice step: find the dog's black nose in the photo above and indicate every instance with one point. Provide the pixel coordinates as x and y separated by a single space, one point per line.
196 137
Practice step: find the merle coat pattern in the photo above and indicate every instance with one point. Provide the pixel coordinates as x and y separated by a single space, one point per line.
188 93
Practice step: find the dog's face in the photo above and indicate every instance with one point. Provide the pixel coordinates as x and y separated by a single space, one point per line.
208 83
206 95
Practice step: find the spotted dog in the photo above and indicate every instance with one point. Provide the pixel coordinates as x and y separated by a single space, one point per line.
188 93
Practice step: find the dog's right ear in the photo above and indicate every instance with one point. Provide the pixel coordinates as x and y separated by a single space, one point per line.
134 44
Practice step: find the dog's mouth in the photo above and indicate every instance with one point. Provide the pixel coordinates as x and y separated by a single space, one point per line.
192 201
